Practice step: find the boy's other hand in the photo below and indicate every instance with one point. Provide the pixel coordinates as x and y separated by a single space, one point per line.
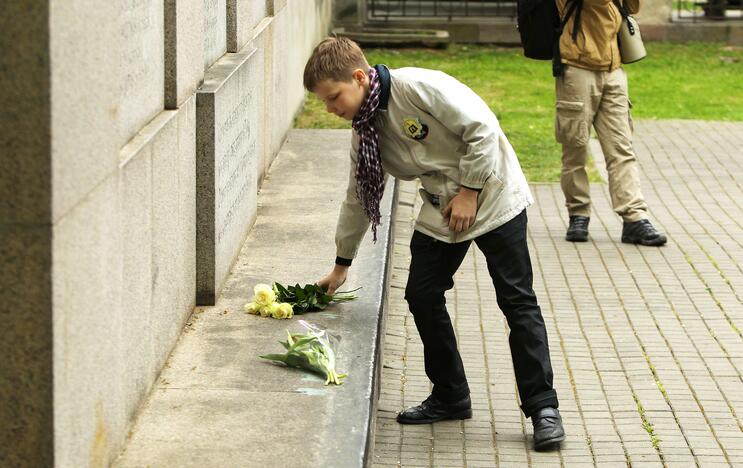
334 280
462 210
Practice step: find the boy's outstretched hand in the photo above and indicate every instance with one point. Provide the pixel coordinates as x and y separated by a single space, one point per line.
334 280
462 210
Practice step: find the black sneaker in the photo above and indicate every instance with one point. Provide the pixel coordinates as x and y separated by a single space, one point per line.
642 232
548 431
578 229
432 409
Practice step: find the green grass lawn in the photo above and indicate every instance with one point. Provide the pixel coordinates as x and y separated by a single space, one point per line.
690 81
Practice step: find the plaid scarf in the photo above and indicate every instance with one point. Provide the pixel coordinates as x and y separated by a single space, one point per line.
369 173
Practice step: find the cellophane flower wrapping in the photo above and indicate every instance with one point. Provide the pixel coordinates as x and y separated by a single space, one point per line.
314 351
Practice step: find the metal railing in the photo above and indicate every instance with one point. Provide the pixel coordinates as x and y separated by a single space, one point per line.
693 10
448 9
703 10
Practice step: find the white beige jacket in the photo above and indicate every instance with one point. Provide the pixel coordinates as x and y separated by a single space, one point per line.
438 130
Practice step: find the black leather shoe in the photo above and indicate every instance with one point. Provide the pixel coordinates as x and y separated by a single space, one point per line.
642 232
578 229
432 410
548 431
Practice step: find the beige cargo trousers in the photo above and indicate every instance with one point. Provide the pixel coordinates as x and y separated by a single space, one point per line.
598 98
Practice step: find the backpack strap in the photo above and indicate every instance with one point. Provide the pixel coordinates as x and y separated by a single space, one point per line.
625 14
622 10
574 7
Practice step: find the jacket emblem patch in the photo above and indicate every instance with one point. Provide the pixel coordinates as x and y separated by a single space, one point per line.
414 128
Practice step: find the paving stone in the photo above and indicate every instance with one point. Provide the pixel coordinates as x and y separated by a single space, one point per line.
645 342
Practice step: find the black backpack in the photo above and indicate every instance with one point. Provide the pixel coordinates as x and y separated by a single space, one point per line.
539 26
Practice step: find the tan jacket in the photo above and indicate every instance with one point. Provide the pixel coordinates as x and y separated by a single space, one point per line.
596 45
438 130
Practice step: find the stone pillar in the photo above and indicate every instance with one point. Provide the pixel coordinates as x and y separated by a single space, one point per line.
280 105
273 7
266 41
242 18
184 50
215 31
140 44
228 112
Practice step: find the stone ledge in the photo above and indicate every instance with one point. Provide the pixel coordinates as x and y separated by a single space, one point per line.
730 32
216 403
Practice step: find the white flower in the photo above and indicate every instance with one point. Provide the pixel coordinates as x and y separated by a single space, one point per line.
283 311
252 308
264 295
267 310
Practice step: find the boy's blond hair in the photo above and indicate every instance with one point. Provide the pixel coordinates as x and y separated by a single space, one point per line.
335 58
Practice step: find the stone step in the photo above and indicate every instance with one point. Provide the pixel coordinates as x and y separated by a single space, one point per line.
385 36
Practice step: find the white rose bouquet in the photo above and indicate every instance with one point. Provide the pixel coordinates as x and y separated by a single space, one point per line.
264 304
282 302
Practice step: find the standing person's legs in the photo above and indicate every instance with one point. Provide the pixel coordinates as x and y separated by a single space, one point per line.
614 130
509 264
432 268
507 254
575 104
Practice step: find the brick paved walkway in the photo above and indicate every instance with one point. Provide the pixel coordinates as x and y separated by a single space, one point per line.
646 343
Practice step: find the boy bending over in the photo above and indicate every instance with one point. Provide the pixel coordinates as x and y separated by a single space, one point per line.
416 123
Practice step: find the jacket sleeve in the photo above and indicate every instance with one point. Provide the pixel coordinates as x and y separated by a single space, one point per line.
352 221
463 112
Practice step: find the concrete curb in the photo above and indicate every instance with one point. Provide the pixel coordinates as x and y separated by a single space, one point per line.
354 445
385 269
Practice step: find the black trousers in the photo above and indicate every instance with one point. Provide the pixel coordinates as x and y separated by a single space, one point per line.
432 269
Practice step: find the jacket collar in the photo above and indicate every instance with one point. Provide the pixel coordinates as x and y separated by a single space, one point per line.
386 82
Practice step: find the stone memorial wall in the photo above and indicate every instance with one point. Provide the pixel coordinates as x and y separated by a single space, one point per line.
124 239
122 286
106 188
